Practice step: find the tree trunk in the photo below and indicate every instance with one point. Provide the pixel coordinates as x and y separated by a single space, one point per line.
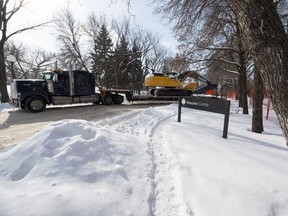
236 88
258 95
267 43
239 93
3 80
243 83
243 101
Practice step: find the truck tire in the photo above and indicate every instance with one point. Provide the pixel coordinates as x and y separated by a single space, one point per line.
35 104
117 99
108 100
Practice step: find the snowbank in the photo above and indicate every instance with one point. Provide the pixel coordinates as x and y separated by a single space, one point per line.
148 164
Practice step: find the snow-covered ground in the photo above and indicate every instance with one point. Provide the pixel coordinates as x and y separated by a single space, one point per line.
147 163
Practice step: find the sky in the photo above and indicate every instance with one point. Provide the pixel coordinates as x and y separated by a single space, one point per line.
37 11
146 163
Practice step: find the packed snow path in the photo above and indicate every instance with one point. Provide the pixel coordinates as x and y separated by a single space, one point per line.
165 196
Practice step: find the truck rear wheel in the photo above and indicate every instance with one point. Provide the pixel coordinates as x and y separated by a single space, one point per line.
35 104
117 99
108 100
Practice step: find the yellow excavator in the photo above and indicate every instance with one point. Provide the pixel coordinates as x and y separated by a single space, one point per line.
172 84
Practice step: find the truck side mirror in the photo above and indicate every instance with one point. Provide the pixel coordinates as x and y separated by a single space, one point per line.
55 78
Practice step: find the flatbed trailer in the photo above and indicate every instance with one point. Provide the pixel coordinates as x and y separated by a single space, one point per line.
131 97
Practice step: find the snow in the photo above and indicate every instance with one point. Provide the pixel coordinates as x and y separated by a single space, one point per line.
147 163
5 107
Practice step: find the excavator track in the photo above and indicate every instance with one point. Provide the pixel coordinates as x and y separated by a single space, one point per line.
172 92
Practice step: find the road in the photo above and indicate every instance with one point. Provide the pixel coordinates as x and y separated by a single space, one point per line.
19 125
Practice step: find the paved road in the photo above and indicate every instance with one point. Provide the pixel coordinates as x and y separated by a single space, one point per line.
19 125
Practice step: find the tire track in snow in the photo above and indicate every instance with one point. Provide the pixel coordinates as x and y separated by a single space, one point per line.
165 197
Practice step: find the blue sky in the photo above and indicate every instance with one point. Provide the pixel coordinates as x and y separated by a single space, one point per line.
37 11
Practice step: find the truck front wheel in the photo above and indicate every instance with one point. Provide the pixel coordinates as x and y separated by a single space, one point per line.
35 104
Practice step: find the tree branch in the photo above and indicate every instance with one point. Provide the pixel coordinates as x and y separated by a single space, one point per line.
27 28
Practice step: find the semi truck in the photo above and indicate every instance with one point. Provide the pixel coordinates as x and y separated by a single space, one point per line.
78 86
60 88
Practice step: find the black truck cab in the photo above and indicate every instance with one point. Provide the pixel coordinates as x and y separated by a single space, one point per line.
59 83
55 87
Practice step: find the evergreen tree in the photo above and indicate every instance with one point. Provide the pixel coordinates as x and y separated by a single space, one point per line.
101 58
136 68
121 64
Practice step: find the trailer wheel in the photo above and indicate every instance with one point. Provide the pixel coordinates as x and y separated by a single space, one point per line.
108 100
118 99
152 92
35 104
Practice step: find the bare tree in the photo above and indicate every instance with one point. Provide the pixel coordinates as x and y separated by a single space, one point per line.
36 62
29 62
179 63
70 36
267 42
258 95
264 37
156 59
93 25
122 28
18 50
217 41
148 47
147 40
6 14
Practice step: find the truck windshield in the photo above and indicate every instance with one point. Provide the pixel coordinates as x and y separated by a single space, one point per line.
47 76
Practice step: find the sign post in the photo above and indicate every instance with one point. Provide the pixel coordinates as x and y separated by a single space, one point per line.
216 105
